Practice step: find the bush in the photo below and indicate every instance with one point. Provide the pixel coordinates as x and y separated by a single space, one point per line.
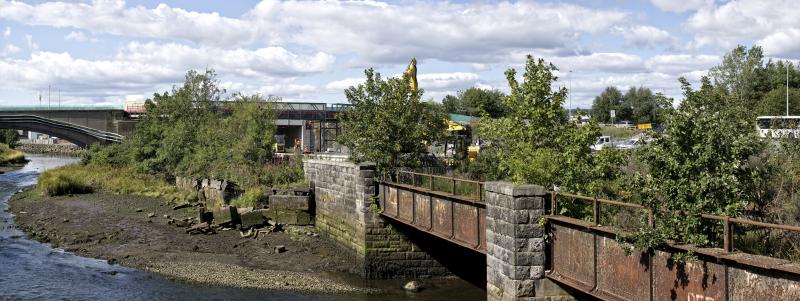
249 198
55 182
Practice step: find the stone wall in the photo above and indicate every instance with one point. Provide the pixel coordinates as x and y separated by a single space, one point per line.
213 193
345 202
59 149
515 256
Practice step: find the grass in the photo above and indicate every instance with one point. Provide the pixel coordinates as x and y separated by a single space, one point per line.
618 133
10 156
79 178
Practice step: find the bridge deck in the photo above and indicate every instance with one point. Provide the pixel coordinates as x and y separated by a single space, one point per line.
455 218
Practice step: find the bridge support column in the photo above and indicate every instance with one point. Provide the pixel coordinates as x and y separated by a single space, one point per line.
346 210
515 257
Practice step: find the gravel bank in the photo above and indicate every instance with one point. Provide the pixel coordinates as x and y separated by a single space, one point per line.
134 231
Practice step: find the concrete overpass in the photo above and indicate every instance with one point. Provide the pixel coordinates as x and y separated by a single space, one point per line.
82 125
312 125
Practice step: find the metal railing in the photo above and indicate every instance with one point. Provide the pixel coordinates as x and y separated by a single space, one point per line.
433 183
728 223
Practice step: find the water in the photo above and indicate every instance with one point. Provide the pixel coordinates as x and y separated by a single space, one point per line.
30 270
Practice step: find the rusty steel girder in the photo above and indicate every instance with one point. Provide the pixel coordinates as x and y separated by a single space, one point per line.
588 258
451 217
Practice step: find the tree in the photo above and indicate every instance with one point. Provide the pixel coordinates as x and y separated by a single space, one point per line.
610 99
535 143
774 102
699 165
738 75
476 102
9 137
388 124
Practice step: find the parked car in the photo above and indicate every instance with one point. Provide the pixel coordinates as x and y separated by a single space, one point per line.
602 142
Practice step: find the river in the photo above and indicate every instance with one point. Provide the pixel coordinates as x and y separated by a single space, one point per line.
30 270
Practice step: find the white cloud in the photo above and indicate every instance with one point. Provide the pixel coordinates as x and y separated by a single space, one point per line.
7 32
114 17
681 63
343 84
76 36
9 49
375 31
771 22
680 6
268 61
31 44
441 81
646 36
782 43
148 67
606 62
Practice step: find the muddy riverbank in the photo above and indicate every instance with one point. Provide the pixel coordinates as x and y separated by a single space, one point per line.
118 229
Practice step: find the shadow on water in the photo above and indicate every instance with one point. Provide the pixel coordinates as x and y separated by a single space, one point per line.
30 270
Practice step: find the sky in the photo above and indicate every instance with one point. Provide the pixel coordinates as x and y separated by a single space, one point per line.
109 51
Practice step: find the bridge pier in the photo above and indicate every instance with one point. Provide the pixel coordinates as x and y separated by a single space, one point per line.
346 210
515 237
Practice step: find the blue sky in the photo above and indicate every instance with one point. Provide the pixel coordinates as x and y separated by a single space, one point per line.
107 51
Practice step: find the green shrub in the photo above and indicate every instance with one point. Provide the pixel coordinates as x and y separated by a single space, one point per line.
249 198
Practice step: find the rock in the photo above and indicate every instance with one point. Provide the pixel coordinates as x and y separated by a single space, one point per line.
280 249
66 220
200 228
227 215
151 214
139 210
292 202
166 215
252 219
289 217
181 206
413 286
180 223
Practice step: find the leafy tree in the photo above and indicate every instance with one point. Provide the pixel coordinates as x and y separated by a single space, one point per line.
535 143
476 102
388 124
610 99
9 137
774 102
738 75
699 165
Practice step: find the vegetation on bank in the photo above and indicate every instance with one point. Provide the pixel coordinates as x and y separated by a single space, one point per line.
193 131
85 178
10 156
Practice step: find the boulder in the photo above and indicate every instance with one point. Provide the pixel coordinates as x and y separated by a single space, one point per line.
293 202
413 286
227 215
254 218
288 217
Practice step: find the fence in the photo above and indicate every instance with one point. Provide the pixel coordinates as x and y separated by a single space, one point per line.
728 223
469 189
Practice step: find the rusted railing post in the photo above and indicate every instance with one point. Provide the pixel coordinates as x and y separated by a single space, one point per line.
728 239
430 182
553 205
596 211
453 186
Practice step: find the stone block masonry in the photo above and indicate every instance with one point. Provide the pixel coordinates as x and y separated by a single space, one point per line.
515 256
345 206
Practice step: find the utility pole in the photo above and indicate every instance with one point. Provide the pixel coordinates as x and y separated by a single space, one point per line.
570 94
59 98
787 88
48 97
